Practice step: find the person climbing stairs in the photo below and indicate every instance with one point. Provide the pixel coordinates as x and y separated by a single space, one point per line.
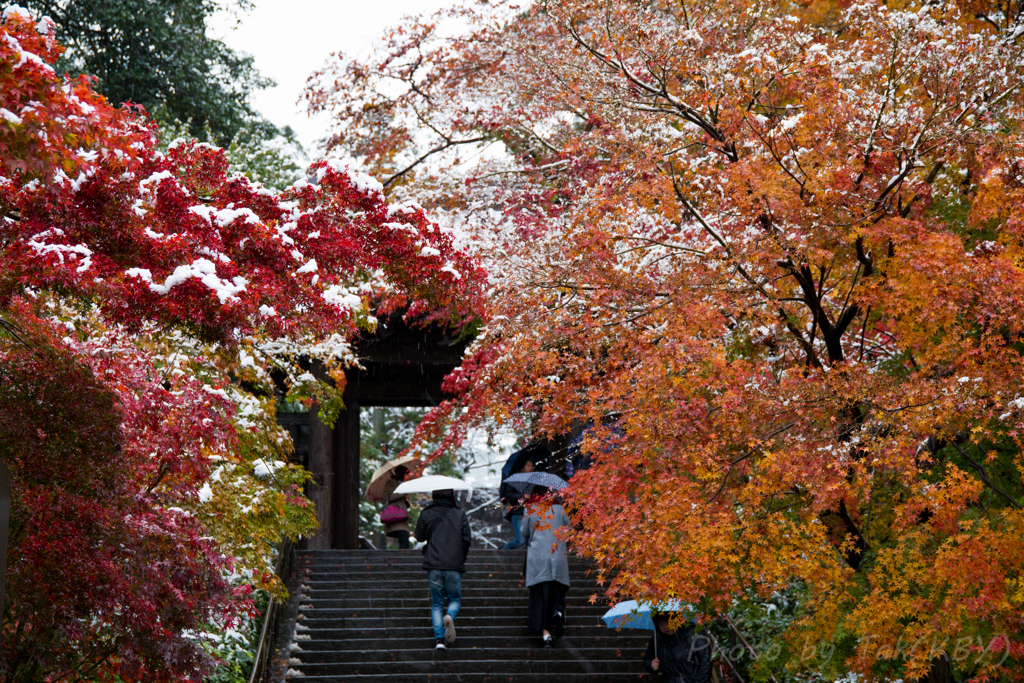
364 615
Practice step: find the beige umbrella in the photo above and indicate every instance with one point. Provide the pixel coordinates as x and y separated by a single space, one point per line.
380 479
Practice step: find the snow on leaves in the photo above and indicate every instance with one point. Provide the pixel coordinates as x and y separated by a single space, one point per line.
152 251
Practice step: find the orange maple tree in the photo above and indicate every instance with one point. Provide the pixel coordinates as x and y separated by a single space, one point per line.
776 249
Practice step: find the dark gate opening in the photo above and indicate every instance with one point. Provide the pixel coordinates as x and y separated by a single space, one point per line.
402 367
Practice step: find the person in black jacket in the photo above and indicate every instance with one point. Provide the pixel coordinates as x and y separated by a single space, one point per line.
682 655
445 528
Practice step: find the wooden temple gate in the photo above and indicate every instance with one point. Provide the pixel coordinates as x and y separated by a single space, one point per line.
402 367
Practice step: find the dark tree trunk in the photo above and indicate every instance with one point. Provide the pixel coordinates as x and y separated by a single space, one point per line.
941 672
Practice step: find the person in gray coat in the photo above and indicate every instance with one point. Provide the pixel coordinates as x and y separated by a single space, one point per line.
547 567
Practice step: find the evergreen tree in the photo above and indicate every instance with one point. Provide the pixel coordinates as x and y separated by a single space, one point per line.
158 53
259 150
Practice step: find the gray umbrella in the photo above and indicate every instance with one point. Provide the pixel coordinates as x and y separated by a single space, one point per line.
524 481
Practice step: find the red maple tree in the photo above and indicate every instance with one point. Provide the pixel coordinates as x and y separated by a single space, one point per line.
111 252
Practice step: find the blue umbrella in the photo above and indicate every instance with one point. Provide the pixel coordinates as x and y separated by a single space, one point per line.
524 481
633 614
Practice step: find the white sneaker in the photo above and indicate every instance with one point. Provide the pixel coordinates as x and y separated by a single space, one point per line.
449 629
439 645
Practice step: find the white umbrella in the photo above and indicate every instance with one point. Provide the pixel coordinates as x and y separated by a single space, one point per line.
433 482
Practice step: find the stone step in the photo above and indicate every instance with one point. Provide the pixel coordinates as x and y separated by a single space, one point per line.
473 677
348 619
478 590
470 600
416 590
377 569
495 585
456 665
464 652
415 557
319 555
512 592
497 564
419 577
379 630
515 643
468 609
416 574
411 581
417 563
364 616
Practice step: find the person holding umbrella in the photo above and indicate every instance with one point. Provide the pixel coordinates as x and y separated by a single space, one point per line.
547 564
445 529
514 515
679 655
532 457
395 514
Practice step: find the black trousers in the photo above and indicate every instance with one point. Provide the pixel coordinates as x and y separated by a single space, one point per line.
403 539
545 599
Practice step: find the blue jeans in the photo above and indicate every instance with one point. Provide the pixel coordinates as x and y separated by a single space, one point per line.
519 540
443 583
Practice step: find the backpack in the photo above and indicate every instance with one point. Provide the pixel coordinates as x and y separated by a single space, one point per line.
444 548
393 514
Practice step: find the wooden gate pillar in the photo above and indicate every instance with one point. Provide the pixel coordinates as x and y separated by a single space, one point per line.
321 489
345 511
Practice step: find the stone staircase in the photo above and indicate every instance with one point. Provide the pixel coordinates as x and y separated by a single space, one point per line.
364 615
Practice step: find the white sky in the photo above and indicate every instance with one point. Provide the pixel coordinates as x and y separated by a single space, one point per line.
489 475
290 39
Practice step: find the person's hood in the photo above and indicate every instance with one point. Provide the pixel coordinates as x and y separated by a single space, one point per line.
680 634
443 503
